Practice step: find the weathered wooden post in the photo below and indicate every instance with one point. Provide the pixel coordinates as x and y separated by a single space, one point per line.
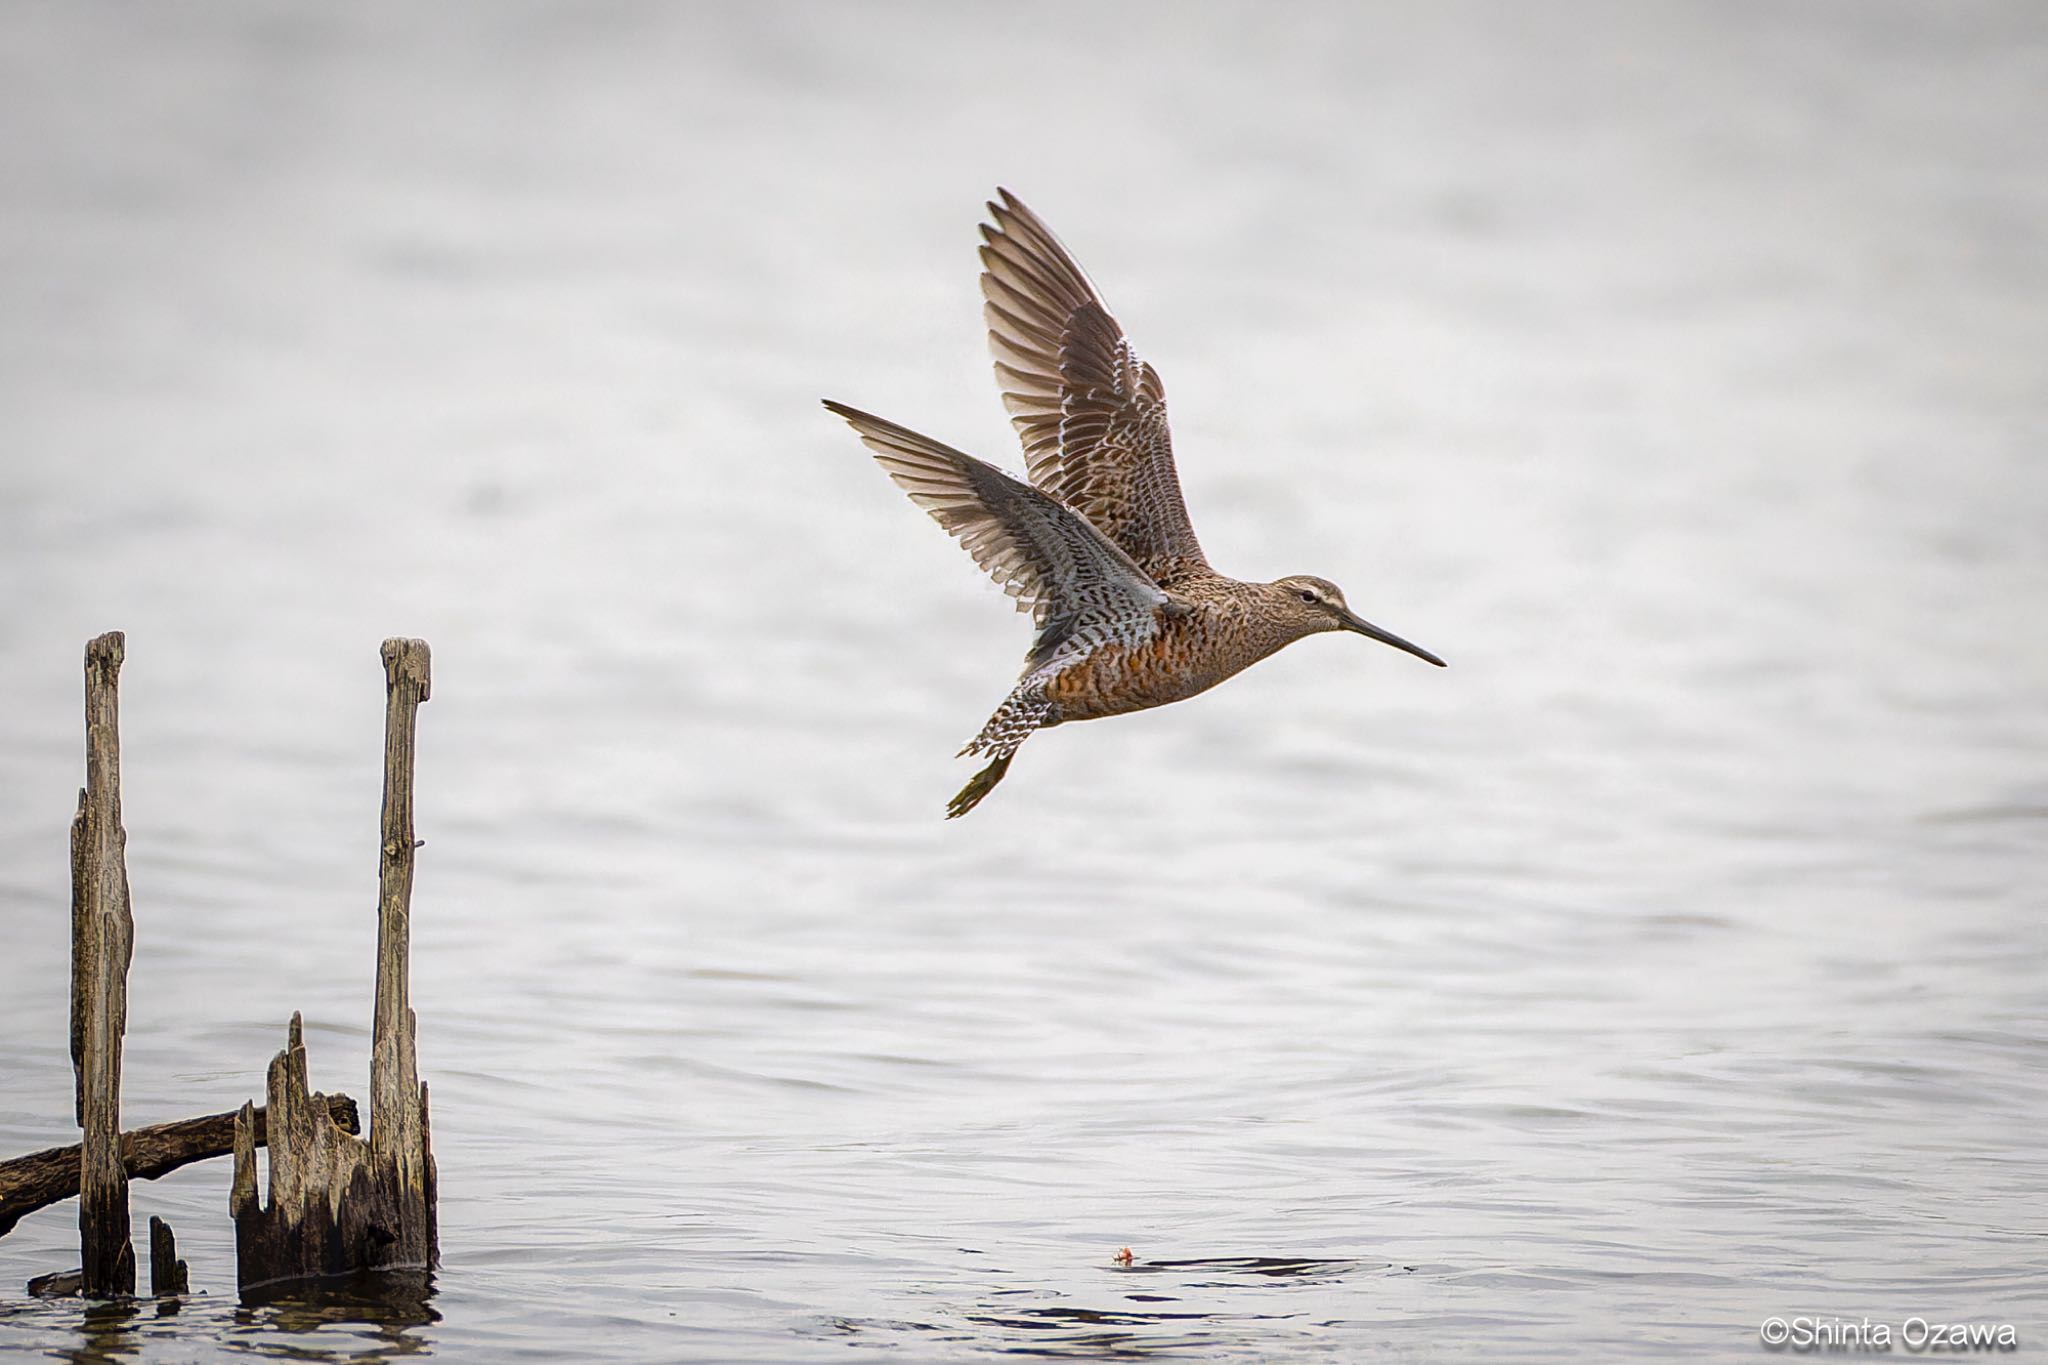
102 940
338 1204
349 1205
167 1274
398 1100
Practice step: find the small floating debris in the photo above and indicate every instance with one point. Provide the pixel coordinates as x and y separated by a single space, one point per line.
1123 1256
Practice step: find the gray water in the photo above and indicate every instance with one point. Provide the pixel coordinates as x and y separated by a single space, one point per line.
1673 960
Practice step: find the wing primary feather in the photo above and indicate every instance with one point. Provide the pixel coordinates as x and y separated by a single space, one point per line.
1090 413
1040 551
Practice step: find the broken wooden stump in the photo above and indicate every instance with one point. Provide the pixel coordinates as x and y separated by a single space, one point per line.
102 939
35 1181
167 1274
339 1205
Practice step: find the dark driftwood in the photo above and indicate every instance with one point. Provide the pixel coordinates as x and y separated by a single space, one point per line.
35 1181
58 1284
339 1205
102 938
167 1274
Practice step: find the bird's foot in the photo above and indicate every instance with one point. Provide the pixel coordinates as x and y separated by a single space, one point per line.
978 786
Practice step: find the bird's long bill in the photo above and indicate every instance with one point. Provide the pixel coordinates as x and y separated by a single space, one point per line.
1386 637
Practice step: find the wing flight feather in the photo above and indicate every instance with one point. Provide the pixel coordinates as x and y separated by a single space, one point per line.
1060 568
1091 414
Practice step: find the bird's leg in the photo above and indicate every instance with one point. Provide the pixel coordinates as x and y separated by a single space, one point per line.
978 786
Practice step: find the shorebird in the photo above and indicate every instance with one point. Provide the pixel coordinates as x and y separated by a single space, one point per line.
1097 546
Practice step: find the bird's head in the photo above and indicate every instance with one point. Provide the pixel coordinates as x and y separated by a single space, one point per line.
1309 604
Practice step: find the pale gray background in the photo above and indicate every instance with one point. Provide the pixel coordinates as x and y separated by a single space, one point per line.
1675 958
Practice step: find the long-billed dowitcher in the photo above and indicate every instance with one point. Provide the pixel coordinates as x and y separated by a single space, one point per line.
1098 546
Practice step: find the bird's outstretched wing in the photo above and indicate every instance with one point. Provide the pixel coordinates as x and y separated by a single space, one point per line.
1066 573
1091 414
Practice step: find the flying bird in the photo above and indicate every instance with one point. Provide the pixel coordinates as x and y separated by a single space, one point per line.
1097 546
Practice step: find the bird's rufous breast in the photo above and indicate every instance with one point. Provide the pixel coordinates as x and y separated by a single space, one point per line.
1190 654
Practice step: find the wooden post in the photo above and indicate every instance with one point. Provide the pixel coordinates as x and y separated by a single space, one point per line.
102 939
337 1204
398 1102
167 1274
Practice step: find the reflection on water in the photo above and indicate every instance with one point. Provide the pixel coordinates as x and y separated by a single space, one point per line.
1169 1317
1277 1267
359 1319
1673 959
384 1308
106 1331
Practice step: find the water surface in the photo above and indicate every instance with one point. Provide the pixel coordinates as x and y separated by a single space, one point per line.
1674 959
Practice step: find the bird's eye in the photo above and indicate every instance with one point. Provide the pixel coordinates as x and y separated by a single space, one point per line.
1307 595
